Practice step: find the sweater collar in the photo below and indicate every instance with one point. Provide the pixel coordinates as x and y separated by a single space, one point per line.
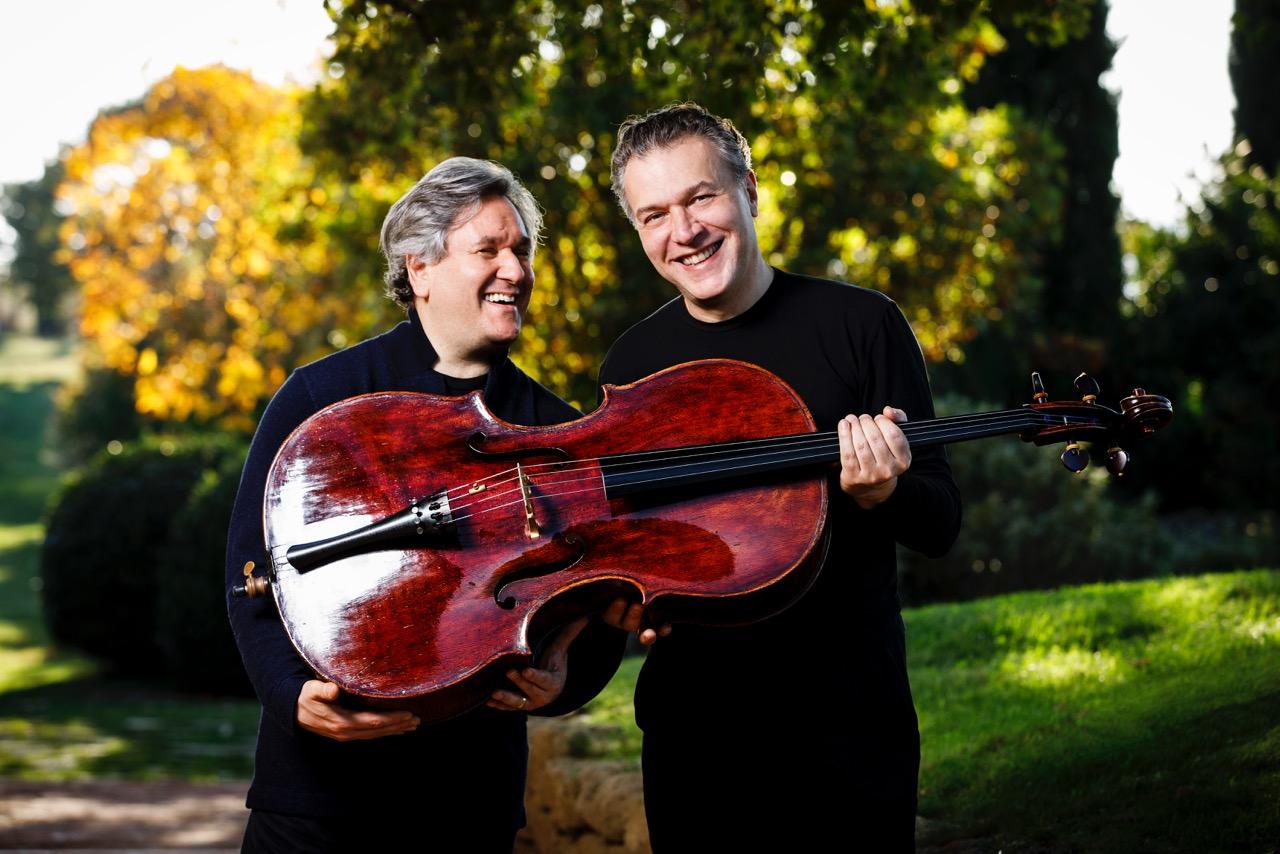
414 359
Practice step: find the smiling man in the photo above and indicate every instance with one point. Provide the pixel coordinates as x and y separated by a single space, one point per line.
459 248
798 732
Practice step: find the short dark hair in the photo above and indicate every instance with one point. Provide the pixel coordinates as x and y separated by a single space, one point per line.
639 135
419 223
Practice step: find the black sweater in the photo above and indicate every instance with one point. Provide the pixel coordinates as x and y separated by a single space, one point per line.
845 350
476 759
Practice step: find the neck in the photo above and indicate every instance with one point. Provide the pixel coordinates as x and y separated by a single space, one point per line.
452 359
745 292
626 474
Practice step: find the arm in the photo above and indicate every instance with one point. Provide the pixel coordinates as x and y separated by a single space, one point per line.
912 493
288 690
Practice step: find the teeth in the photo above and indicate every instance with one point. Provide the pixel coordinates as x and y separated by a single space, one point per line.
701 256
500 299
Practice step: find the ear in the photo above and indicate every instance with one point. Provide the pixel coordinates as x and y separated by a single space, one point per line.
753 193
419 275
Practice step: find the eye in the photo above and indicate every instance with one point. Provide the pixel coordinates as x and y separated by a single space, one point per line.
652 217
703 197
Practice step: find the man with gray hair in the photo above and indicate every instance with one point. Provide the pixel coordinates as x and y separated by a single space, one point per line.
797 732
459 248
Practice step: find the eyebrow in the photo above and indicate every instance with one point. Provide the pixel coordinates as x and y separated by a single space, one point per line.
523 244
685 194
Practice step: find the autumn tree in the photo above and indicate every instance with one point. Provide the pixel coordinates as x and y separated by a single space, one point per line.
199 236
872 169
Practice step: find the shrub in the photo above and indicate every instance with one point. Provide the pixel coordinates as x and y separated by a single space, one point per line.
101 559
95 411
195 640
1029 524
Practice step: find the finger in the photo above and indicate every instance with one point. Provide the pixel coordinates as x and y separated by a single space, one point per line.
848 456
860 428
508 700
566 636
898 416
877 444
532 680
613 615
896 441
635 616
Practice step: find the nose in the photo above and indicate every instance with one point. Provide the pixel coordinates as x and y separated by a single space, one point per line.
685 227
511 266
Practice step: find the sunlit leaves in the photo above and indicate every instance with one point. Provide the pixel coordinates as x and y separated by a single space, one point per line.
198 234
870 167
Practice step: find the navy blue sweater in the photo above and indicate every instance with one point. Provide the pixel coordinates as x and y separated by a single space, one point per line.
474 762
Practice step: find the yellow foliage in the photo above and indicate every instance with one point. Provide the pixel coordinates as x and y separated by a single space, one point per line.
179 209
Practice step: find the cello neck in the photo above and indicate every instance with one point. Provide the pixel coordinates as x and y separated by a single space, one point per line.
630 474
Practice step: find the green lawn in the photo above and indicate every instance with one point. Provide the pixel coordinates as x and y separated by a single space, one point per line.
1123 717
1140 716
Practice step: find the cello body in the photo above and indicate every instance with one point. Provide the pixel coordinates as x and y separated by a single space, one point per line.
528 532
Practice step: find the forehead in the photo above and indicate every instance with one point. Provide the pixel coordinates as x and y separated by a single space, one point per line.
494 219
662 175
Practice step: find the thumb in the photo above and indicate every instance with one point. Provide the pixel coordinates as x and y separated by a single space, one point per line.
559 648
323 690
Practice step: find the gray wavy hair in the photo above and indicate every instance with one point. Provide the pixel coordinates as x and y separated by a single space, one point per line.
420 222
663 128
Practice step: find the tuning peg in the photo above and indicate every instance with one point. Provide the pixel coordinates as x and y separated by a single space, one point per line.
1117 459
1038 394
1088 388
1075 458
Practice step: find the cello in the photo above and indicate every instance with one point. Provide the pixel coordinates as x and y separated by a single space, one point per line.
420 546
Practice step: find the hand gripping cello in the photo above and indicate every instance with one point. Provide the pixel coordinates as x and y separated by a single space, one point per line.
420 546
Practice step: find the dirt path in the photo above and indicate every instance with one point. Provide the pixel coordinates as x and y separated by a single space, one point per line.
121 816
149 818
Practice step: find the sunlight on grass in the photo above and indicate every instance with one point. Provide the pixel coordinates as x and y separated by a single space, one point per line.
48 751
36 666
15 536
1055 666
25 360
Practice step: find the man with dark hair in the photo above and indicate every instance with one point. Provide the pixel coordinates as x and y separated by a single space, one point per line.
459 248
797 732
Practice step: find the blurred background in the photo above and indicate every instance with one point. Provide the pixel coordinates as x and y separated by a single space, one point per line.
191 201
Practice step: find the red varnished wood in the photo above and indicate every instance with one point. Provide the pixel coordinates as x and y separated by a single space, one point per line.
424 627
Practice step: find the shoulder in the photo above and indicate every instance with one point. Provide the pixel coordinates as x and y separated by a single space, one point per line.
807 289
637 342
357 369
551 408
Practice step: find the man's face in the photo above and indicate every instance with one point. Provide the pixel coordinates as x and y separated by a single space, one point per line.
695 221
472 300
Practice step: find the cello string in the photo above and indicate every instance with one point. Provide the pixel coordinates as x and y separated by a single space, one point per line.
819 447
919 430
761 451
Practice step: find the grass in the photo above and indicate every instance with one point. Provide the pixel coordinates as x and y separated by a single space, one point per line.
1137 716
1121 717
60 718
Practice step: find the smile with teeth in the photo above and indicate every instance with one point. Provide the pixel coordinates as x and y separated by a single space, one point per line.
501 299
699 257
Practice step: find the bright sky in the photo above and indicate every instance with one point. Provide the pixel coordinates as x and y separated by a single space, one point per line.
62 60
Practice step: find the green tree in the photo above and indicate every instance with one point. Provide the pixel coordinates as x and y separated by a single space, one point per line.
39 276
1205 326
1072 322
1254 66
1206 332
872 168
